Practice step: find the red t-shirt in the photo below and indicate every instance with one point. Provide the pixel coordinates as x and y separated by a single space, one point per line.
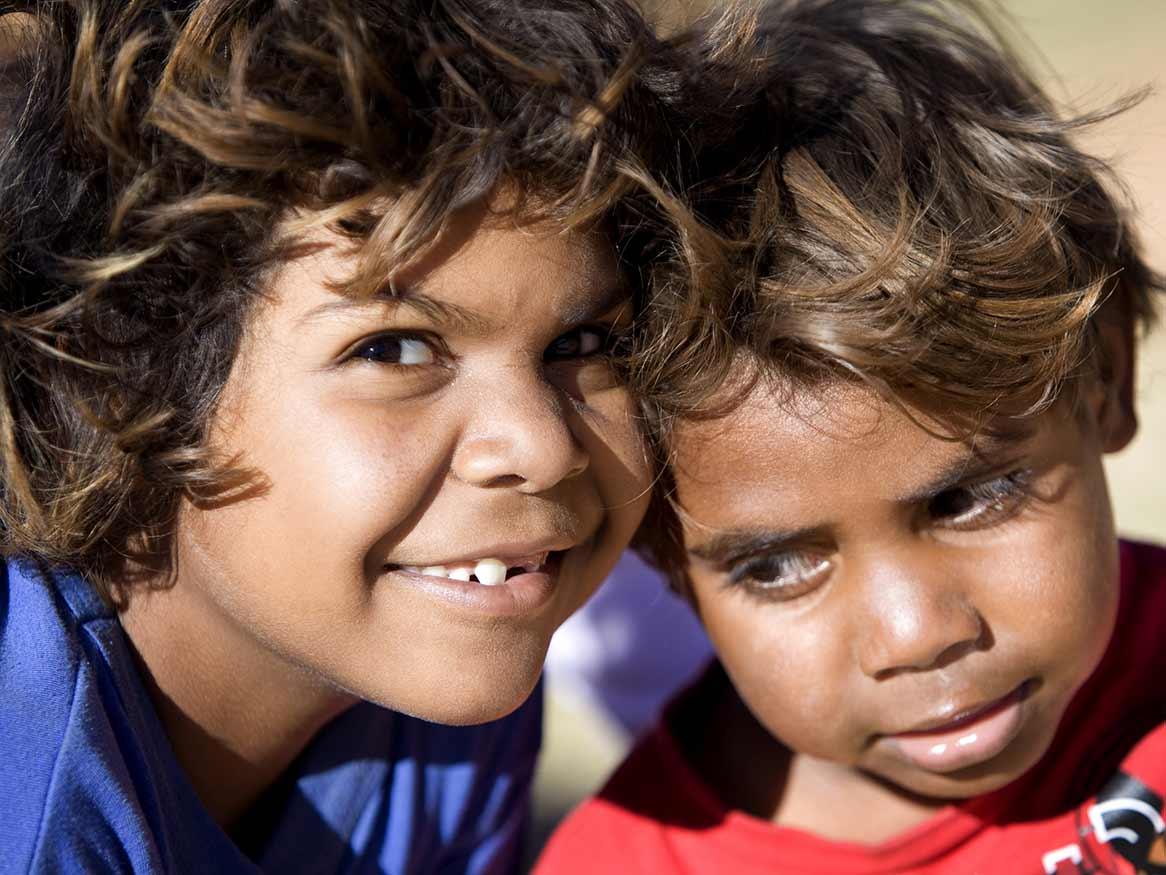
1092 804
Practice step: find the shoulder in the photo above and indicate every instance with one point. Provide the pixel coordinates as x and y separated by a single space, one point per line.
39 674
593 838
656 811
634 823
63 769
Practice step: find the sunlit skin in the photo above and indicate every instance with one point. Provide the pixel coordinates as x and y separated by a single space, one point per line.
474 415
861 578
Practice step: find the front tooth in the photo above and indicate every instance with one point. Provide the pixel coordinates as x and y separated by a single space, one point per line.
491 572
460 574
434 570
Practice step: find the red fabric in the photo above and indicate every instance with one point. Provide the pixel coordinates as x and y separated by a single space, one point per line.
657 816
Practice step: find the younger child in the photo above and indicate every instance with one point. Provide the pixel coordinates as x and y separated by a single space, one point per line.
888 506
306 419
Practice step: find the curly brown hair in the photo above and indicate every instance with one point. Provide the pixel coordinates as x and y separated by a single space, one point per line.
155 155
919 220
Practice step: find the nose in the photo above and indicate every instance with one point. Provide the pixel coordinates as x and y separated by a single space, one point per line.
518 435
917 617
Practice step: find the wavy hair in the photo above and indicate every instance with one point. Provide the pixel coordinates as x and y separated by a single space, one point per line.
155 154
916 218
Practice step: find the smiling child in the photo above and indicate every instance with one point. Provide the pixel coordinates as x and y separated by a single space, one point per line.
887 501
307 420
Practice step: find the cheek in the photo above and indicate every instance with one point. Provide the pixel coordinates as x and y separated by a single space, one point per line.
339 478
619 476
792 674
375 464
1065 600
609 431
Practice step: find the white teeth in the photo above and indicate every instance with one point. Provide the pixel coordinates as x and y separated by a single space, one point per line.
490 572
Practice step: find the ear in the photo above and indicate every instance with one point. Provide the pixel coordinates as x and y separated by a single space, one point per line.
1112 400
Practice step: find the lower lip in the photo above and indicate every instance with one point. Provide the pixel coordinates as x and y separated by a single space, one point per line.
517 596
967 744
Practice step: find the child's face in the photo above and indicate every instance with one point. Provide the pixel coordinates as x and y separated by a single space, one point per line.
405 441
889 600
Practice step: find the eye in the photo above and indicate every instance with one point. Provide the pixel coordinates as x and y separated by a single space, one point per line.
781 576
584 342
396 349
979 505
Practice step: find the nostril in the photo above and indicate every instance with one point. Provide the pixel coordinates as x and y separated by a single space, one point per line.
956 652
505 481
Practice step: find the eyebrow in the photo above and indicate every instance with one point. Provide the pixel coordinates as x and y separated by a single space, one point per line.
462 318
443 312
990 456
733 544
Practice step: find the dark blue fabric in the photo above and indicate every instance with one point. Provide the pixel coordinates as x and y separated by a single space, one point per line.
89 782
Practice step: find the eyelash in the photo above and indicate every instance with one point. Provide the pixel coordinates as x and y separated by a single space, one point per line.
772 577
787 575
990 502
611 341
432 345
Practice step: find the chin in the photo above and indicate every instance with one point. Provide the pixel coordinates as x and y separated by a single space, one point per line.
976 780
471 707
461 697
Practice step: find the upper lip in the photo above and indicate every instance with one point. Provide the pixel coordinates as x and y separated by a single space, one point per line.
952 717
512 552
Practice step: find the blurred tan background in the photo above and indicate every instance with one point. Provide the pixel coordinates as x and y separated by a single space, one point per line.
1087 52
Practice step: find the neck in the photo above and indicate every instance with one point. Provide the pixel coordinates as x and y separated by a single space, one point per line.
842 804
235 716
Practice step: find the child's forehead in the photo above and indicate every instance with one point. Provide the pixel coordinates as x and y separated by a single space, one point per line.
483 260
835 431
400 230
772 406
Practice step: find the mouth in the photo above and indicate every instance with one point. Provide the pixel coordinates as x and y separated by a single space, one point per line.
488 570
510 582
967 737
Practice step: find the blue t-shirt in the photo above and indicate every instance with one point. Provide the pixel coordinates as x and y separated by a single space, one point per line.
89 782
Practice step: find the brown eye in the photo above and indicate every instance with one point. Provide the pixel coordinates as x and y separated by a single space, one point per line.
583 342
952 503
980 504
395 349
781 576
